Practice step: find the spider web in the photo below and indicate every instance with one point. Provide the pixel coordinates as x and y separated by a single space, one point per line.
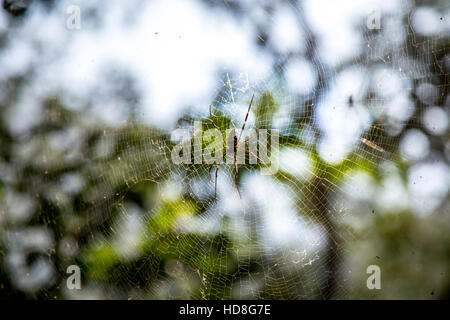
156 230
283 238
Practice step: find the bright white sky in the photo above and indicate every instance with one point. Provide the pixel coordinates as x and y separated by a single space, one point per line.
177 51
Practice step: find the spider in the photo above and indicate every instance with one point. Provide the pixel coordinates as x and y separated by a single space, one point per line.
236 146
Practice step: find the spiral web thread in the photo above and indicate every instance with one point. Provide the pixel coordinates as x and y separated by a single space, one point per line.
216 247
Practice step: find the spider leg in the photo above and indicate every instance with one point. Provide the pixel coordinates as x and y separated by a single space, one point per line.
236 141
209 170
218 164
248 139
246 117
212 165
214 125
215 178
236 175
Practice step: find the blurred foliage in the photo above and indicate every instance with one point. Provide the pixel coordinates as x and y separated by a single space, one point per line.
121 171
